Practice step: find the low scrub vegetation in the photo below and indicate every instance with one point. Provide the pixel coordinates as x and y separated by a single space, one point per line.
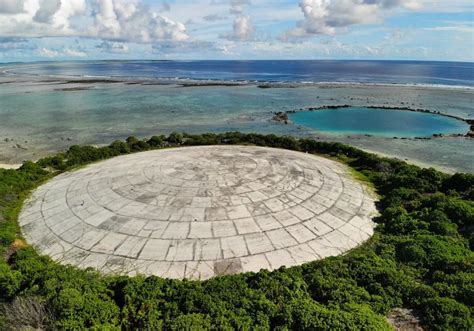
421 257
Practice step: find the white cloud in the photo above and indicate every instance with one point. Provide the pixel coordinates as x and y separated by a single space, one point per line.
43 19
51 53
105 19
68 10
113 47
12 6
73 53
141 28
48 52
115 19
47 10
243 30
330 16
237 6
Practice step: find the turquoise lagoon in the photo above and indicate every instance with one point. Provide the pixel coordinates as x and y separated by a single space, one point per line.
378 122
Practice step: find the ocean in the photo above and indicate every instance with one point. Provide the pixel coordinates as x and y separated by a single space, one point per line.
47 107
303 72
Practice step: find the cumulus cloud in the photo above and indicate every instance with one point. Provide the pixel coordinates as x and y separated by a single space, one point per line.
242 30
137 28
106 20
52 53
237 6
48 52
117 20
47 10
113 47
134 22
49 18
73 53
62 18
12 6
330 16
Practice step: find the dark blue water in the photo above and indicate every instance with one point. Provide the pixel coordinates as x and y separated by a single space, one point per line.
392 72
378 122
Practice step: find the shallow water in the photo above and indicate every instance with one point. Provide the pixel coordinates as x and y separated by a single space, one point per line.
378 122
40 116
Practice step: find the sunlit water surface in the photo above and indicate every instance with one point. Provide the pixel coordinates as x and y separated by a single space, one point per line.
42 115
378 122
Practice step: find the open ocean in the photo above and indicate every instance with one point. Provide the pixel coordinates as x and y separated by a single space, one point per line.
386 72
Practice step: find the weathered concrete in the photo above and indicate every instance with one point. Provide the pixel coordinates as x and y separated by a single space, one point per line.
199 212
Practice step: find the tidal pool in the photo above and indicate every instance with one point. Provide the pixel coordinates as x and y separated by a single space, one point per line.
378 122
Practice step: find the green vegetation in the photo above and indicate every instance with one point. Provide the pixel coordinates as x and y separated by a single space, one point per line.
420 257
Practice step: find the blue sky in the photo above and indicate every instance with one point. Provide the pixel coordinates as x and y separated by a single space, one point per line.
35 30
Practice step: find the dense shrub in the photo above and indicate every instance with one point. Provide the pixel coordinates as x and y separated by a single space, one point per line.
420 257
447 314
462 184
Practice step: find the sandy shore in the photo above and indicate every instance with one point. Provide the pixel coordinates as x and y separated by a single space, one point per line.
9 166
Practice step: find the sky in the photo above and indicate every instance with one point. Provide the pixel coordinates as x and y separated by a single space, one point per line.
46 30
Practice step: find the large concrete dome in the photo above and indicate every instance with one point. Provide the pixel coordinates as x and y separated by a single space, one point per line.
198 212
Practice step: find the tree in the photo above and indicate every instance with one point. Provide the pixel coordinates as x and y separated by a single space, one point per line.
175 138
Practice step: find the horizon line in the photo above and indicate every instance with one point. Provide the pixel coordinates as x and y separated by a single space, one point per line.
234 60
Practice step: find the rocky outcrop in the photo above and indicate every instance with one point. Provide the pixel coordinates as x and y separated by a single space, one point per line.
281 117
404 320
